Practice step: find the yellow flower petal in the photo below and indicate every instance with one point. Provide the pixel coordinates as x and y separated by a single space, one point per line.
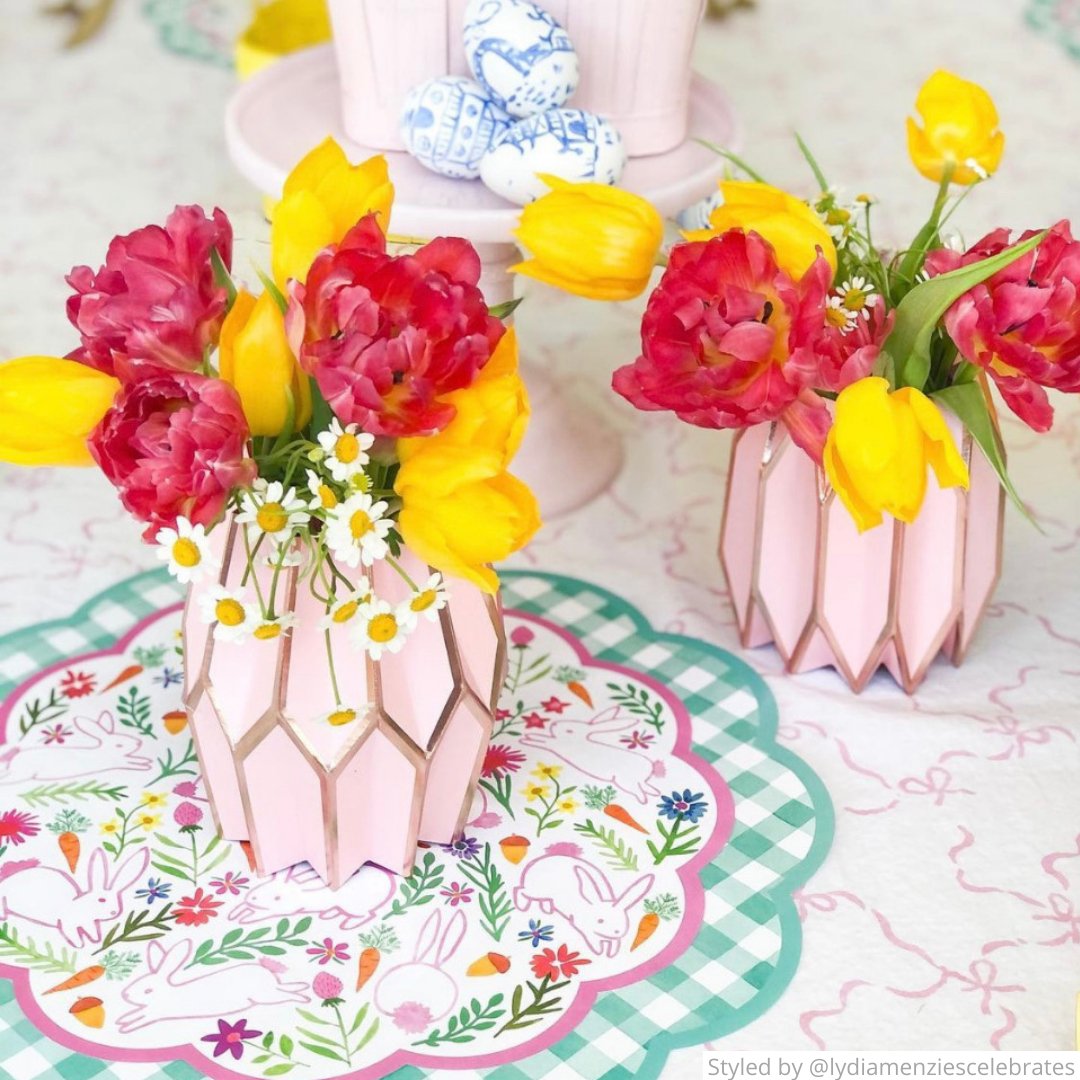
300 229
944 457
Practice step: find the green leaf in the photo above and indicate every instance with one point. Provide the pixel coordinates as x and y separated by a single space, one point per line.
819 176
222 277
367 1036
280 1070
286 1045
359 1018
318 1038
268 1038
504 311
322 1051
967 402
924 307
311 1018
321 413
302 926
275 293
259 1059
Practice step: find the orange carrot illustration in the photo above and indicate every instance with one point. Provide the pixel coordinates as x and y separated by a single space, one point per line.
369 961
621 814
70 847
127 673
80 978
666 907
646 928
578 690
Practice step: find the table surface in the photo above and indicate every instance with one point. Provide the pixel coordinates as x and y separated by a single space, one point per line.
945 914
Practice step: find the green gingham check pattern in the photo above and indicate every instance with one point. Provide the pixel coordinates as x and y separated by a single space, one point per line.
748 946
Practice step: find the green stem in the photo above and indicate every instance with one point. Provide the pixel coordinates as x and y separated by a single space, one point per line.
333 670
734 159
344 1036
194 860
249 570
403 573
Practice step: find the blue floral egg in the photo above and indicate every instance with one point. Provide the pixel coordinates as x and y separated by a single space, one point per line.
520 55
569 143
697 216
448 124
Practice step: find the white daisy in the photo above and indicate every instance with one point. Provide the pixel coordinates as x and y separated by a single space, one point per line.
429 599
356 530
341 715
323 496
233 612
838 316
186 549
285 557
381 627
857 295
271 629
273 510
345 609
346 450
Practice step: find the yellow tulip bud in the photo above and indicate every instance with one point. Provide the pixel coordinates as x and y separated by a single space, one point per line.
960 128
48 408
279 28
461 510
879 447
791 226
590 239
323 198
492 413
256 359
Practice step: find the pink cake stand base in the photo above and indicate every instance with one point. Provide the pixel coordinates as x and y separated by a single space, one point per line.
570 455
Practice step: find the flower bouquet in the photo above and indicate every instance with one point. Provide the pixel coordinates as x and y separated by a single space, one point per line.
849 371
325 464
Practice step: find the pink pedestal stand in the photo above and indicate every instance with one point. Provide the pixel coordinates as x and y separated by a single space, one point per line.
570 456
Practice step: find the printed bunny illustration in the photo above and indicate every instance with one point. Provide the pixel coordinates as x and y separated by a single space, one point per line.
418 992
563 883
166 992
101 749
576 742
300 891
40 894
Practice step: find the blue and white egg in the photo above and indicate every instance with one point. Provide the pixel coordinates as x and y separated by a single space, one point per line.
449 123
697 216
569 143
520 55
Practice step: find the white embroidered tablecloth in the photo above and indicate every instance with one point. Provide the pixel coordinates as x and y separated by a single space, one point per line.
948 912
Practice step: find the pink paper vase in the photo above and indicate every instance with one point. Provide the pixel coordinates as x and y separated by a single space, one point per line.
803 578
634 57
299 788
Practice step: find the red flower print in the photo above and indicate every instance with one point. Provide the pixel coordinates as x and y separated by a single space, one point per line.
502 714
17 826
502 759
535 720
553 704
76 684
550 964
197 910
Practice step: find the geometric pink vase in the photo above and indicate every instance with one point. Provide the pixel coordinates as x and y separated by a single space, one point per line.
280 776
634 57
802 577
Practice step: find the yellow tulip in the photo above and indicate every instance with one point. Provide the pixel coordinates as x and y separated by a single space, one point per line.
48 408
492 413
960 128
279 28
879 447
789 224
256 359
323 198
461 510
590 239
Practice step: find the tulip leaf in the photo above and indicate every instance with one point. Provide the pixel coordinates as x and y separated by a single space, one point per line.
924 307
321 413
273 290
815 168
504 311
222 277
967 401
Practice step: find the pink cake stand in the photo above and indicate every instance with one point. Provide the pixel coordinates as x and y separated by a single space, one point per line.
570 455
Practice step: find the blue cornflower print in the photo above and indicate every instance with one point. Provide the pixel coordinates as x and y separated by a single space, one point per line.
156 889
684 807
168 677
537 933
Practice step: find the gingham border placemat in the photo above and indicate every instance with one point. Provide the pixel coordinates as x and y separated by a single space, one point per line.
748 947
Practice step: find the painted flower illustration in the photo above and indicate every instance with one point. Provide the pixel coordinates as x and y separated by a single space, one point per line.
187 789
327 988
231 883
501 759
196 910
168 677
17 826
56 733
550 964
230 1038
522 637
328 950
555 705
156 889
464 847
535 720
536 933
637 740
77 684
187 816
457 893
684 807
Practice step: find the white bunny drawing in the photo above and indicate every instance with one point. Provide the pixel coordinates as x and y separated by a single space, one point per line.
300 891
48 897
576 742
101 749
418 992
163 994
570 886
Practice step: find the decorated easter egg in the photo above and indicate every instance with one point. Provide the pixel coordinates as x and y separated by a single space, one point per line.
520 55
697 216
448 124
568 143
